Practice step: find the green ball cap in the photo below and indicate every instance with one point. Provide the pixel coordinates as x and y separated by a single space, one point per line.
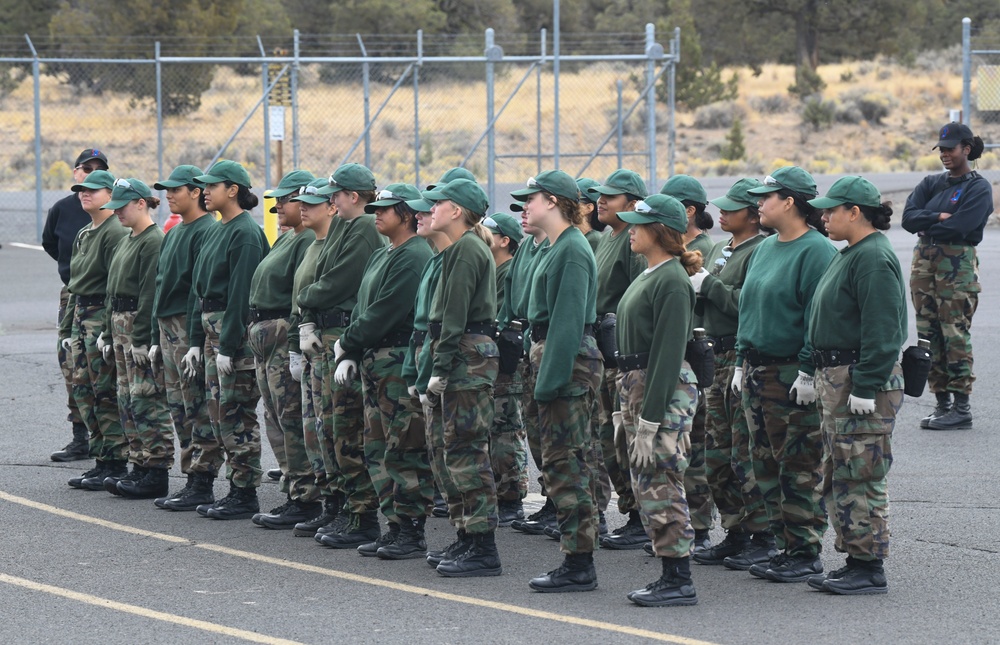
451 175
685 187
621 182
350 176
849 190
226 171
504 224
555 182
95 181
739 196
181 176
292 182
392 195
789 177
464 192
658 209
420 205
585 184
311 192
125 191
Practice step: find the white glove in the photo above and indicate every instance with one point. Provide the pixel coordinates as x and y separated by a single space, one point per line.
698 278
154 354
224 364
295 365
413 391
436 385
105 348
67 344
140 355
338 351
309 341
642 447
860 406
803 391
424 400
191 362
346 372
618 421
737 385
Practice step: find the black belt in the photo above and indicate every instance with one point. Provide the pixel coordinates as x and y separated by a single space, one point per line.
479 328
927 239
724 344
541 332
208 305
835 357
326 319
398 338
418 337
630 362
756 359
90 301
124 303
257 315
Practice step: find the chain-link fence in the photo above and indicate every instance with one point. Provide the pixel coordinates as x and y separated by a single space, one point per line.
505 107
981 82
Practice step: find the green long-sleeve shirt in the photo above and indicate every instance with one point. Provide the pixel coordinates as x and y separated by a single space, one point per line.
777 293
419 373
703 242
564 297
305 274
502 272
617 267
386 296
860 303
272 282
594 238
720 291
133 275
340 268
93 249
517 281
175 271
656 315
228 258
466 293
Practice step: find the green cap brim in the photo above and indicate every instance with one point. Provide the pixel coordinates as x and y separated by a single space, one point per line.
85 186
168 183
273 209
726 204
763 190
523 194
329 190
606 190
420 205
115 204
381 203
210 179
517 208
825 202
311 199
632 217
435 196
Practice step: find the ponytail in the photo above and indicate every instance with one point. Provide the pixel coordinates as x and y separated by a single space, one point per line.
483 233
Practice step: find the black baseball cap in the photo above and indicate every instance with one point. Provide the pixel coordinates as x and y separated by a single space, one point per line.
89 155
953 134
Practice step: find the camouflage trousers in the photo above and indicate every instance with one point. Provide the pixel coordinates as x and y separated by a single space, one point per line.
728 467
395 440
786 446
282 396
66 365
317 427
601 488
857 457
699 494
508 452
142 404
529 412
347 409
565 436
944 286
232 407
615 454
434 437
659 488
186 398
95 387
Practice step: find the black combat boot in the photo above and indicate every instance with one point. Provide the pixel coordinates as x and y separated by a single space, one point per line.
274 474
674 588
734 544
537 522
816 581
958 418
942 408
631 536
759 550
509 511
295 511
200 494
240 504
858 578
77 482
371 549
480 560
795 568
155 482
111 483
362 529
602 525
410 543
339 524
702 541
331 506
160 502
461 544
112 468
77 449
277 510
440 506
576 573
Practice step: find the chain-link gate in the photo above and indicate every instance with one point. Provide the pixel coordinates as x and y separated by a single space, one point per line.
981 83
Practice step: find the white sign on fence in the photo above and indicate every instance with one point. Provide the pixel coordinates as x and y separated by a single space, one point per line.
276 122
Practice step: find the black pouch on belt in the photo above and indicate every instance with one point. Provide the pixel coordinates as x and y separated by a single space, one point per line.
510 343
700 356
916 366
606 341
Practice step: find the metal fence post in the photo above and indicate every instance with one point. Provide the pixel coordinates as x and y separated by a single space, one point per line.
538 105
416 107
367 99
966 70
675 57
651 104
555 81
619 85
491 132
267 115
294 88
159 124
36 68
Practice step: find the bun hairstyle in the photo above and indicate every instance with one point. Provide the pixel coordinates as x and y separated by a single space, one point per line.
976 147
702 219
879 217
672 242
246 199
568 208
152 202
813 217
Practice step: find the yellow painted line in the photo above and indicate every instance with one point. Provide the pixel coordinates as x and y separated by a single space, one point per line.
353 577
105 603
